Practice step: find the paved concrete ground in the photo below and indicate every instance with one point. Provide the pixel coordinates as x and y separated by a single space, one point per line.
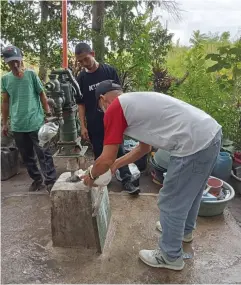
28 255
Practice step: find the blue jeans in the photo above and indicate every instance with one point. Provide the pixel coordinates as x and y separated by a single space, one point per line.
180 197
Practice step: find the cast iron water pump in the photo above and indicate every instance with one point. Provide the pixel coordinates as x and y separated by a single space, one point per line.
62 90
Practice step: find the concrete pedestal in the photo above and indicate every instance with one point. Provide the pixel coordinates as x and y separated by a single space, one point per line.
79 216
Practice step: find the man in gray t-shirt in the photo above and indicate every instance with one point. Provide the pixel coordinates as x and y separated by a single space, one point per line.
191 136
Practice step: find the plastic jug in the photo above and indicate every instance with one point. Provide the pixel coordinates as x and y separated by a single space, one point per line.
223 166
9 162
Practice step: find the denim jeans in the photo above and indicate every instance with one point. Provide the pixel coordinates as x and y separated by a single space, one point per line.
28 145
180 197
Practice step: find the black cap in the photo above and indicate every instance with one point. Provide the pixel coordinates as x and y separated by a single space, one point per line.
12 53
106 86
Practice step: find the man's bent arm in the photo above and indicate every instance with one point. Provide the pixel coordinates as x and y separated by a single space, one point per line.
5 107
43 99
82 115
105 161
137 153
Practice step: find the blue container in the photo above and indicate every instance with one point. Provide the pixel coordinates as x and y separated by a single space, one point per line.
223 166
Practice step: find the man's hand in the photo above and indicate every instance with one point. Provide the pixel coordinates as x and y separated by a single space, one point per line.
5 130
44 101
83 130
47 115
113 169
101 165
87 180
137 153
84 134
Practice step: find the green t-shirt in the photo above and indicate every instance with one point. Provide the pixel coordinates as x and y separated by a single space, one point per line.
26 112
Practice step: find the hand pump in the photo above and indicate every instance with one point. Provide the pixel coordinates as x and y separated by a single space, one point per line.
61 91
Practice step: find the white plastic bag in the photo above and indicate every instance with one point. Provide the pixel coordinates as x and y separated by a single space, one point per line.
47 132
104 179
135 172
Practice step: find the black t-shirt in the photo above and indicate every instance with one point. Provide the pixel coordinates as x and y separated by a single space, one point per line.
88 82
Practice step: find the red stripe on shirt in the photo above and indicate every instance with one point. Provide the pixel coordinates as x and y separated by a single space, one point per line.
114 123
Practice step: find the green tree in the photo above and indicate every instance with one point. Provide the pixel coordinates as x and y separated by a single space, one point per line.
172 7
228 57
227 69
148 44
35 27
225 37
120 16
198 38
202 89
98 37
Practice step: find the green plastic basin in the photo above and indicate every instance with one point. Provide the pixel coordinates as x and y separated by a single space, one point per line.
214 208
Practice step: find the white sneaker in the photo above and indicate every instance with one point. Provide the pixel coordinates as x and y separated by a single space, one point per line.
155 258
186 238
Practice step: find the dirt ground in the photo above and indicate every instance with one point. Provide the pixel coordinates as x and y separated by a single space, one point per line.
28 255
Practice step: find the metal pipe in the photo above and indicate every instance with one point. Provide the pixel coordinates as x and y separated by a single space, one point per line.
65 34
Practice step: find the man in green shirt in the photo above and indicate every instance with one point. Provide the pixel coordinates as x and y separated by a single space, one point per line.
23 100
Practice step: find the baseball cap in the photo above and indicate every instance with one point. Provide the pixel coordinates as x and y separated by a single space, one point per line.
12 53
106 86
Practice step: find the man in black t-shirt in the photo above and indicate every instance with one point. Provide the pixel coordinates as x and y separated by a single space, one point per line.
88 79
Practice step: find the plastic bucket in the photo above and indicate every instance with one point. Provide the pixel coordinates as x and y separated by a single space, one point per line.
157 172
235 181
162 158
216 185
237 157
238 171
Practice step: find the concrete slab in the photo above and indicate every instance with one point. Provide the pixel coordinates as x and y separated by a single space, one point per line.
28 255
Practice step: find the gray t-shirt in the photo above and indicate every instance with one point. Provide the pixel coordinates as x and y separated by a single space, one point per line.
161 121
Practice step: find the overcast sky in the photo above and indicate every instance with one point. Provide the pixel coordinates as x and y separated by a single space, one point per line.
205 15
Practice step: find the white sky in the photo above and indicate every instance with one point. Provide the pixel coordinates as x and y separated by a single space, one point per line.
205 15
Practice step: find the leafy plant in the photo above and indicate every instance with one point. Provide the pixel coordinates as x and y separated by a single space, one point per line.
148 44
35 27
202 90
229 59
